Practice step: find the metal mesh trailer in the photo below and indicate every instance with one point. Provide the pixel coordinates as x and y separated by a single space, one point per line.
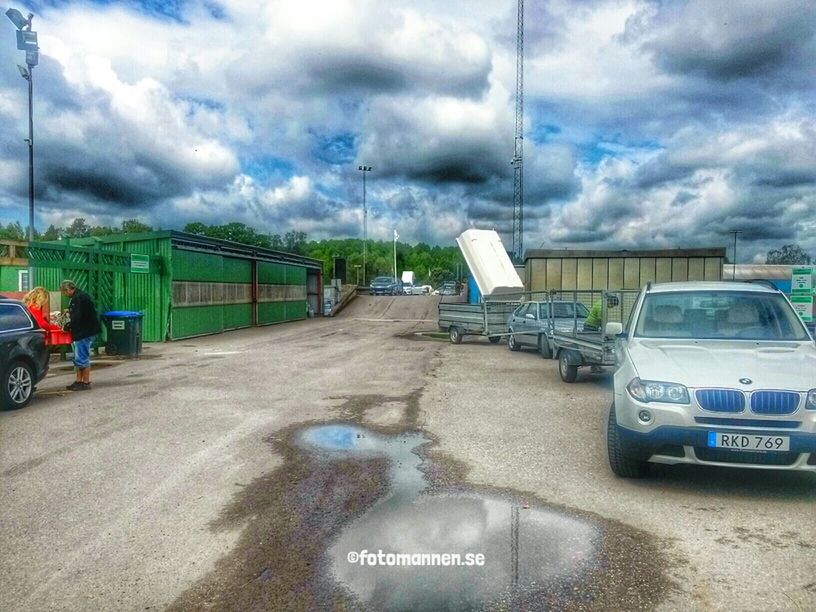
196 285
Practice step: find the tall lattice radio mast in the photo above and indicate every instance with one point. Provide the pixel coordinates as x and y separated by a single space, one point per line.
518 148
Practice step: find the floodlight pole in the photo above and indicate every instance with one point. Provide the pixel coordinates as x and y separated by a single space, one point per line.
30 159
734 263
27 41
364 170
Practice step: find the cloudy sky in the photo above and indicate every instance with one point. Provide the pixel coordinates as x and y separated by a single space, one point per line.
648 122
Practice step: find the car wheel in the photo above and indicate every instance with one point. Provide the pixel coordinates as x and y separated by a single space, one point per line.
621 465
512 343
18 386
544 347
569 373
455 335
494 339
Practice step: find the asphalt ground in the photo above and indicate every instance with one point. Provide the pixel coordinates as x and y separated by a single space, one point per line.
175 482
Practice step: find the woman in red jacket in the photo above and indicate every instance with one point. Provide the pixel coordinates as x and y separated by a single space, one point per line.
36 300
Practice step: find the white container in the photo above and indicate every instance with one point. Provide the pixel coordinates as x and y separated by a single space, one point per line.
489 263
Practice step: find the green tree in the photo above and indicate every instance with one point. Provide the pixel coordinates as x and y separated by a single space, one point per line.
790 254
13 231
134 226
79 228
52 233
294 241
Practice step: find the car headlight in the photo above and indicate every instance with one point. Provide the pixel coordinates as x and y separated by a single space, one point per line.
810 403
655 391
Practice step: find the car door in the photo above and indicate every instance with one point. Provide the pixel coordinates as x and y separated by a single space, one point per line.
19 337
530 326
516 322
540 325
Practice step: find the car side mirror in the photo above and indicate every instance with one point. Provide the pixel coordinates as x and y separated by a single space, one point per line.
613 329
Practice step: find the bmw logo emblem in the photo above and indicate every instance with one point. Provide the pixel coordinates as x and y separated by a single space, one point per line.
746 381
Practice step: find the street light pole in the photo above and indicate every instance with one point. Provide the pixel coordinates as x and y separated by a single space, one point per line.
30 159
734 262
27 41
364 170
396 237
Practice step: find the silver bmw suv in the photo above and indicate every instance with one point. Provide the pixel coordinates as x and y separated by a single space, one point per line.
715 374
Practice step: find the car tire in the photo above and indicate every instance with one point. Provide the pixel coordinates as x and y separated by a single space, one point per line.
621 465
544 347
512 343
18 386
494 339
455 335
568 372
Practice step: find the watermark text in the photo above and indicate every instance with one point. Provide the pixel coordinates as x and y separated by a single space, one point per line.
388 559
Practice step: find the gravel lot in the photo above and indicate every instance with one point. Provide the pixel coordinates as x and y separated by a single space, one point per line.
116 499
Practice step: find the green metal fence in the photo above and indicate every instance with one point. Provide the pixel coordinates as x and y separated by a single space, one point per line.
113 279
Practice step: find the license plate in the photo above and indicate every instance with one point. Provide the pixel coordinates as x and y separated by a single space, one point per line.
752 442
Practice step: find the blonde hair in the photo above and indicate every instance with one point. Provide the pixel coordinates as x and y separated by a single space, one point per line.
38 297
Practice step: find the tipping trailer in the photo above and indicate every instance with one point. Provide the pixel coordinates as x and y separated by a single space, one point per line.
489 318
578 346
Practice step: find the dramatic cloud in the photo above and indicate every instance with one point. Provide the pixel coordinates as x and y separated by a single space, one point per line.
648 122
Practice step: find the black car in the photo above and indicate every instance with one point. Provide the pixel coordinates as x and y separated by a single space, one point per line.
23 355
386 285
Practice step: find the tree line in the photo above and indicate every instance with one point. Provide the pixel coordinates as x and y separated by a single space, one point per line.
430 264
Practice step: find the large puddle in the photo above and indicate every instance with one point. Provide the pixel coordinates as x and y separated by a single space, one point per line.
401 553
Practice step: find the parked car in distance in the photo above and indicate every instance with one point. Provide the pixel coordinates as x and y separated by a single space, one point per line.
531 319
23 355
448 288
713 374
412 289
386 285
427 290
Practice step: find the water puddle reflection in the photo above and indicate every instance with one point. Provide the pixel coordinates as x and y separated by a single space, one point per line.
526 550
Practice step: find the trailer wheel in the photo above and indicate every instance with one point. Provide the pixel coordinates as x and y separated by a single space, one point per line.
455 335
568 372
544 347
494 339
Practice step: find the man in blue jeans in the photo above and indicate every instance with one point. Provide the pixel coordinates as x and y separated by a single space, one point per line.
84 326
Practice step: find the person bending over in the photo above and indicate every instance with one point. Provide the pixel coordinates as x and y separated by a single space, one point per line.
84 326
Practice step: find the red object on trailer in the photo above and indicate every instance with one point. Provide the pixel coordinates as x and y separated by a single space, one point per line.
56 337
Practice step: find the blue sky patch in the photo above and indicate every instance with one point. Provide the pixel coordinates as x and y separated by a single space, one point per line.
335 149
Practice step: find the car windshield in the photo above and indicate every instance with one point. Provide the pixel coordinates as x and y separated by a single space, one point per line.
566 310
721 315
382 280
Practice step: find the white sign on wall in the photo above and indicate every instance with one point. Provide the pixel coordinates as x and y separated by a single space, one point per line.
803 305
802 280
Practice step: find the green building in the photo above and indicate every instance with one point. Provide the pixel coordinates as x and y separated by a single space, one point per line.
186 285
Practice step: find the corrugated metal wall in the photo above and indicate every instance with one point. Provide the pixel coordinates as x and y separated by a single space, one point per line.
617 272
282 294
213 293
9 278
134 291
200 290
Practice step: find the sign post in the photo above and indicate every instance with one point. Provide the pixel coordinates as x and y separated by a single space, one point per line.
802 292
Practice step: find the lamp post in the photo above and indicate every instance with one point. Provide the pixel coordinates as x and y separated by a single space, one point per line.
734 262
364 170
27 41
396 237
